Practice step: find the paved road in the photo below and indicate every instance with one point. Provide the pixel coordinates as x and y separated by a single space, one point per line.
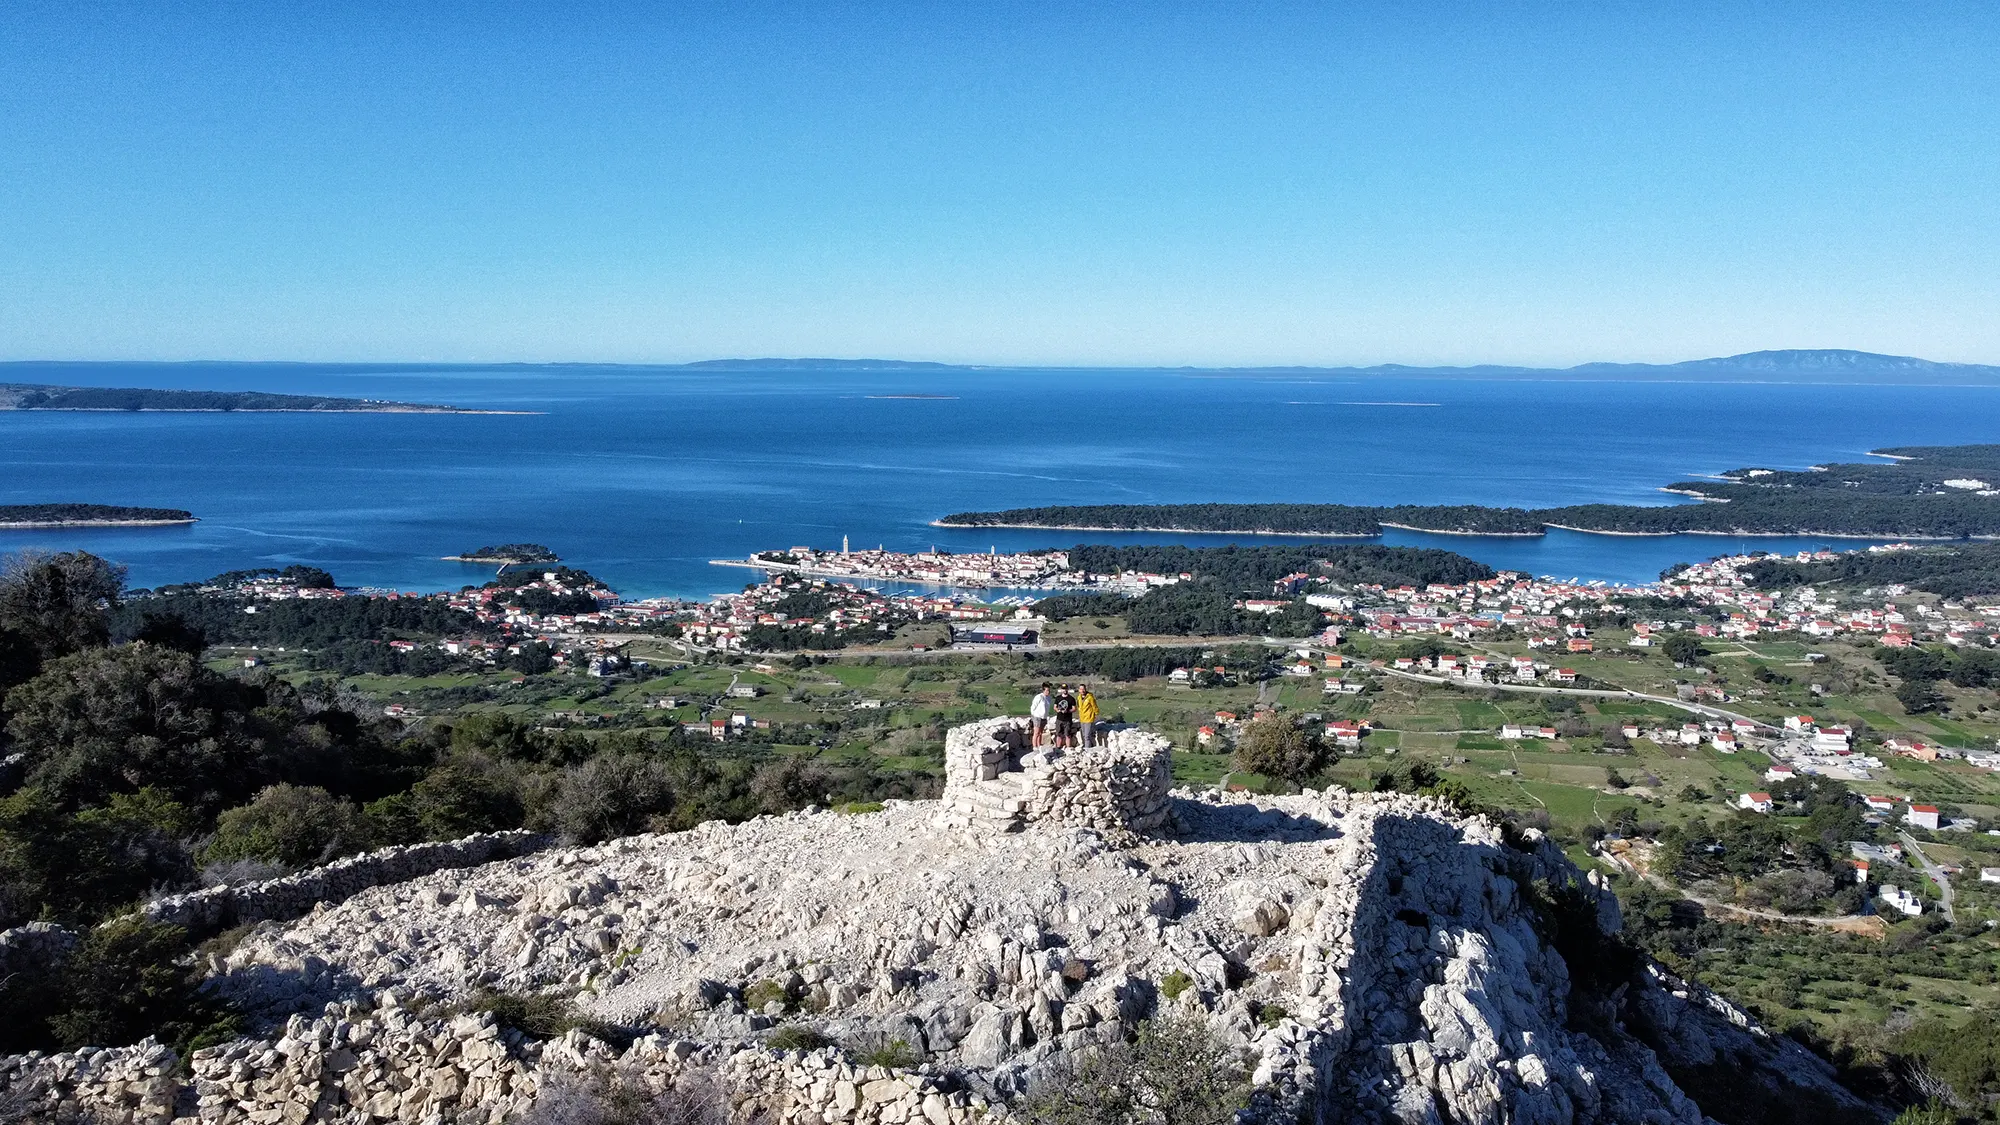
1934 871
1702 709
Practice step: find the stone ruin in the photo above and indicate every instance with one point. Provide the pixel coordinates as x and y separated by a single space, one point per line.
993 778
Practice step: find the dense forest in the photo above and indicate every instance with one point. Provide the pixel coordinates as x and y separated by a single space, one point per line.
24 396
1958 571
1222 576
1908 498
89 513
134 768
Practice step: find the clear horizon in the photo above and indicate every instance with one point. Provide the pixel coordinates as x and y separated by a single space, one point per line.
1137 186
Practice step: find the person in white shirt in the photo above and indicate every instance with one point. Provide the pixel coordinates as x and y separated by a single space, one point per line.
1038 715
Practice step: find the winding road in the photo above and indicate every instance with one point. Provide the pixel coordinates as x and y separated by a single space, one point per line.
1935 872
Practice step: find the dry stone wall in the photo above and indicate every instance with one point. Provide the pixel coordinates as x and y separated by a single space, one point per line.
210 911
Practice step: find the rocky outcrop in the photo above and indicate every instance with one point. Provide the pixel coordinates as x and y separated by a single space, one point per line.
994 779
1373 957
214 909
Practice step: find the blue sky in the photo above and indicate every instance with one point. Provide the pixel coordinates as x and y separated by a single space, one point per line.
1104 184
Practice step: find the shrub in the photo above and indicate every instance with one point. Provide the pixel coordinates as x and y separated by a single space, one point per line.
1175 983
294 825
797 1037
125 980
611 795
791 784
895 1054
1177 1073
540 1015
766 992
1275 747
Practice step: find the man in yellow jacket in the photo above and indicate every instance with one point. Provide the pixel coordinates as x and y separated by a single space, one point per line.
1086 716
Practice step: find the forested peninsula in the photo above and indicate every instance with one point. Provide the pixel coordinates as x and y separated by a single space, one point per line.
1927 492
89 515
33 396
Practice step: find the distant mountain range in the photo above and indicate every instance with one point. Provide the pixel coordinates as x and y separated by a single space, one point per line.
1809 365
819 365
1798 365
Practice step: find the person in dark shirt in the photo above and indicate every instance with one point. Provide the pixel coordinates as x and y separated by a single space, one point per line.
1065 717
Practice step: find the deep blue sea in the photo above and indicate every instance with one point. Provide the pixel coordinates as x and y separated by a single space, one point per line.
642 475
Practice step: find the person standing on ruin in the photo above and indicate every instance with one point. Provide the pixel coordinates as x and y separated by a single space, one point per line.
1065 717
1040 709
1086 715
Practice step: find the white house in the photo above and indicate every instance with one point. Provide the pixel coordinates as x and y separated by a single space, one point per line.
1922 816
1902 900
1879 804
1989 874
1755 802
1832 738
1780 773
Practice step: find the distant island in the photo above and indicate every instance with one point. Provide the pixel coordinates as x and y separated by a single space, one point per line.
1812 365
32 396
508 554
1926 492
21 516
1799 365
818 365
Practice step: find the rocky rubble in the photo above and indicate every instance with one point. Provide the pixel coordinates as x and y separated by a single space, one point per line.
358 1062
1373 958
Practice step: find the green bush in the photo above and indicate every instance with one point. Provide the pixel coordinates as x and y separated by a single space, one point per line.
541 1015
125 980
1276 747
1175 983
611 795
295 825
1177 1073
765 992
83 867
797 1037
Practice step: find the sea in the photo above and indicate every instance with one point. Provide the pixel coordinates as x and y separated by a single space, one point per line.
642 475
